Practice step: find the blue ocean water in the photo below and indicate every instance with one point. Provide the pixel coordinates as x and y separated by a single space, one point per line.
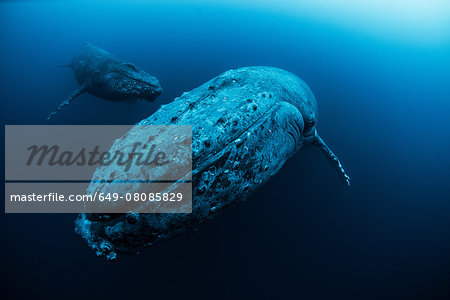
381 78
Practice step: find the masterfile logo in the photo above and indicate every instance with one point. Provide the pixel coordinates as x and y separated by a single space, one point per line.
98 169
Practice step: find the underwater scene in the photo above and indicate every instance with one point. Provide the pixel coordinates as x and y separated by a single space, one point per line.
309 139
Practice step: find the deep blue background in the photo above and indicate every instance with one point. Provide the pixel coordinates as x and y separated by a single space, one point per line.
384 109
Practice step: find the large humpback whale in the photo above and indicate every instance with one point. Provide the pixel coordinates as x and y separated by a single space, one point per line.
245 124
101 74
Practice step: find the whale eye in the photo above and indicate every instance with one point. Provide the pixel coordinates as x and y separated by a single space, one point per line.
132 67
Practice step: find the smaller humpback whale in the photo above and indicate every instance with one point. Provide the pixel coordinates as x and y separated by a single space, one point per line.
101 74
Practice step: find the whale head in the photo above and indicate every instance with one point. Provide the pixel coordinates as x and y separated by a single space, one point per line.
126 81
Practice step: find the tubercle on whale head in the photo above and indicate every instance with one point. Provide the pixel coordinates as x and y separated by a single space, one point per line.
101 246
106 249
113 235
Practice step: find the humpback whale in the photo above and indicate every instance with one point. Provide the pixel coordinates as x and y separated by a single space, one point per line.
101 74
246 124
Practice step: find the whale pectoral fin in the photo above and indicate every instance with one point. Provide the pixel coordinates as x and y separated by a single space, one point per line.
76 93
332 158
